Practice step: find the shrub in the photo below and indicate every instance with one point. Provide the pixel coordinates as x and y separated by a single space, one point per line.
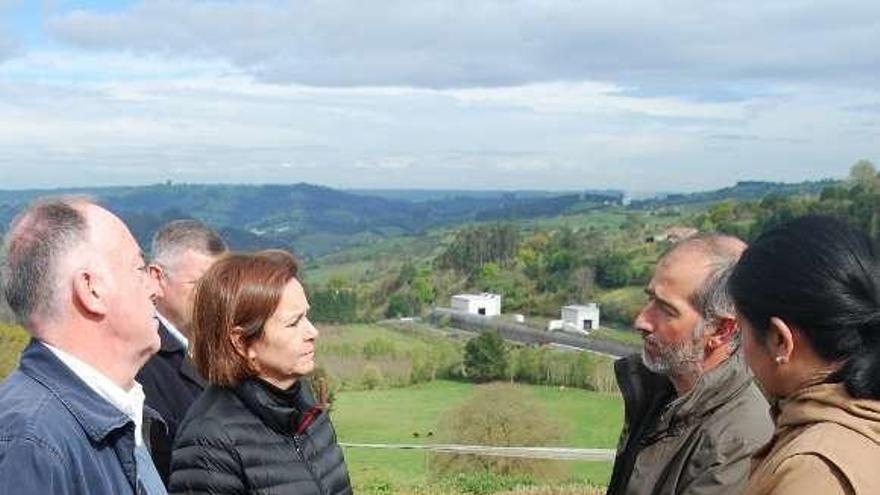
543 366
487 482
486 357
602 378
378 347
499 414
622 305
371 377
333 305
403 304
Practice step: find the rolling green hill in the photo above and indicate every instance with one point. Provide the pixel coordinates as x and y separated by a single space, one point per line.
310 220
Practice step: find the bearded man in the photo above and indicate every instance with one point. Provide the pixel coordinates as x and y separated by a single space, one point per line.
693 416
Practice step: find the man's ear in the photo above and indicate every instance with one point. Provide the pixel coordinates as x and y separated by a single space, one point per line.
157 273
725 331
780 339
90 292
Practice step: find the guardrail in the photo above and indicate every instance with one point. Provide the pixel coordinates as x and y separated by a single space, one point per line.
554 453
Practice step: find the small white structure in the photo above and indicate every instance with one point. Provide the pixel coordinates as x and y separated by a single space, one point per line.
580 318
554 325
484 304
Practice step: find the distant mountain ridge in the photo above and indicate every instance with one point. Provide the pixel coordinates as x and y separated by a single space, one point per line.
423 195
743 190
306 218
313 220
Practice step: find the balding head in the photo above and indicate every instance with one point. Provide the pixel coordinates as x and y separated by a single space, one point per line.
77 278
688 323
718 253
38 241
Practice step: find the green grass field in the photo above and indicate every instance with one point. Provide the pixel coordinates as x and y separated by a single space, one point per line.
13 339
393 416
618 333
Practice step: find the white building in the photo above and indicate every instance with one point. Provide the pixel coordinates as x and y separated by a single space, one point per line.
580 318
485 304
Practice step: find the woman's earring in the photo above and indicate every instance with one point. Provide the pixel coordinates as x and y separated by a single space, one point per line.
781 359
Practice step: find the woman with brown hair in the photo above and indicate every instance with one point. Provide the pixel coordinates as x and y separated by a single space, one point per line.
256 428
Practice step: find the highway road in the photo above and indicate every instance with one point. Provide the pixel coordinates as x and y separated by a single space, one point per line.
528 335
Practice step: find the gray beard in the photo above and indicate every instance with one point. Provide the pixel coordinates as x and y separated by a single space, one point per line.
678 359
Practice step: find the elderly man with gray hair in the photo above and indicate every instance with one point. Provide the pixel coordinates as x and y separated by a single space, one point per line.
182 251
693 416
72 413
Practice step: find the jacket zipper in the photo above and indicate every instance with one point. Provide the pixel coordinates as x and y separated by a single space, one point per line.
306 463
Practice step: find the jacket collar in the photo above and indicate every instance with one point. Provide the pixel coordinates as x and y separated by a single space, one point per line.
171 345
285 411
642 387
98 417
830 403
715 388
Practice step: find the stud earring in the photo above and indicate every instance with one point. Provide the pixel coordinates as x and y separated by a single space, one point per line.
781 359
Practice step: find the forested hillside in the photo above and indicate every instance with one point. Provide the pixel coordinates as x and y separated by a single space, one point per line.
398 254
310 220
604 255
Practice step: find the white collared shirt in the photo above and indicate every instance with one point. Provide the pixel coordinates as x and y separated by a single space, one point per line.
173 330
130 402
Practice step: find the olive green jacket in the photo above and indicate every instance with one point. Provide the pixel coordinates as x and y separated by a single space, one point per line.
699 443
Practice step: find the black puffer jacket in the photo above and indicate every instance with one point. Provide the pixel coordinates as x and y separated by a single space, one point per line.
258 439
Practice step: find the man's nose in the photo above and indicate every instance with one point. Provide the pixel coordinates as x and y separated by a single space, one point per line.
641 323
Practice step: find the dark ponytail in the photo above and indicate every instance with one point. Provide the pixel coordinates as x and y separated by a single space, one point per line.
861 373
822 276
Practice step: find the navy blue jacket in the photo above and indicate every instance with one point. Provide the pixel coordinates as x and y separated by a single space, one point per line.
57 436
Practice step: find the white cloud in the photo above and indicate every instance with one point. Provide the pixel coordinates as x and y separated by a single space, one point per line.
673 46
147 120
513 94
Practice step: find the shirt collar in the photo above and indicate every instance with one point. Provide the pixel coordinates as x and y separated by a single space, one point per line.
177 334
130 402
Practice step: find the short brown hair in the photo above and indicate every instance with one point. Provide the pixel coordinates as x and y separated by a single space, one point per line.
237 294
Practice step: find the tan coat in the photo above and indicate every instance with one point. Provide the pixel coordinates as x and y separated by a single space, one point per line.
825 443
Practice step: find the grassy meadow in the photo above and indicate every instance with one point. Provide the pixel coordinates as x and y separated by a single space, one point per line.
377 401
593 420
384 393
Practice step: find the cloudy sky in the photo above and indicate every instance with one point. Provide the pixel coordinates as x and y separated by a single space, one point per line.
502 94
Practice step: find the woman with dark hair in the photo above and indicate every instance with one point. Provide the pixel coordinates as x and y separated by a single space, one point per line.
808 297
256 428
